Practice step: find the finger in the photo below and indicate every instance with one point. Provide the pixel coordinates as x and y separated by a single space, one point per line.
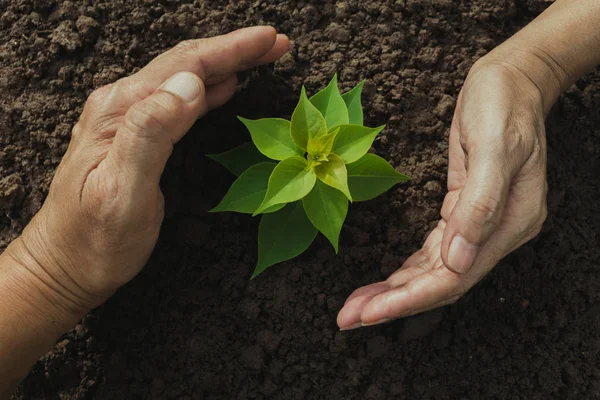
478 210
417 264
457 174
145 138
417 260
429 308
436 286
215 80
281 46
214 60
405 274
219 94
449 202
349 316
369 290
423 260
220 55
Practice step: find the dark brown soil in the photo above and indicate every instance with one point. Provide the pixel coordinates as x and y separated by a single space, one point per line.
192 325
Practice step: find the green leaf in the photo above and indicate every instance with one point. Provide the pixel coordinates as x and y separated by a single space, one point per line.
326 208
321 147
307 122
240 158
352 100
371 176
248 191
272 137
354 141
282 236
334 174
291 180
330 103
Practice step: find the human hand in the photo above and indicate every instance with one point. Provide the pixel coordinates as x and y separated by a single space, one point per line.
496 198
101 220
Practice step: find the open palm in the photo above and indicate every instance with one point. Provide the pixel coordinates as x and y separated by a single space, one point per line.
496 200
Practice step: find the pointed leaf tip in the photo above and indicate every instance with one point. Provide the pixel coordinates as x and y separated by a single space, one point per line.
331 105
272 137
291 180
326 207
354 104
307 122
240 158
282 236
248 191
354 141
371 176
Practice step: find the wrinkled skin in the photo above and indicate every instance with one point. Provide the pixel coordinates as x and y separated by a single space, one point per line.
103 214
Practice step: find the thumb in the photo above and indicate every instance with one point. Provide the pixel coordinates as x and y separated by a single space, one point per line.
478 211
144 140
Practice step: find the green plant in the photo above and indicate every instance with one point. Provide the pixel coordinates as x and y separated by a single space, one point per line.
301 174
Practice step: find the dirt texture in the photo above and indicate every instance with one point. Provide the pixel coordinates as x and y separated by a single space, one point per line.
193 326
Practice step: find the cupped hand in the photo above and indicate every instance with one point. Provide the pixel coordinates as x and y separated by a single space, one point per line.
496 198
101 220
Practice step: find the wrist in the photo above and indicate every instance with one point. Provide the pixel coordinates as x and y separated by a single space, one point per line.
555 49
532 67
40 282
33 314
35 287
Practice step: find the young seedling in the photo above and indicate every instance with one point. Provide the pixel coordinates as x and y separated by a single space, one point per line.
301 174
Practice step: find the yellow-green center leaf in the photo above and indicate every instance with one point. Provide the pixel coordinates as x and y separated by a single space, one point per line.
353 104
272 137
320 148
371 176
283 235
291 180
248 191
307 122
239 159
330 103
354 141
334 174
326 208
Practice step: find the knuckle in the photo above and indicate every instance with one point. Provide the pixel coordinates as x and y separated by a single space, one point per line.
77 131
184 48
483 209
99 96
538 223
146 119
537 151
190 49
519 144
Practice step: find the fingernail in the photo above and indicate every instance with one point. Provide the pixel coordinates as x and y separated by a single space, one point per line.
184 85
381 321
350 327
461 254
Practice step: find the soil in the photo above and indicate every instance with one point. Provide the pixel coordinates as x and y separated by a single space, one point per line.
193 326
